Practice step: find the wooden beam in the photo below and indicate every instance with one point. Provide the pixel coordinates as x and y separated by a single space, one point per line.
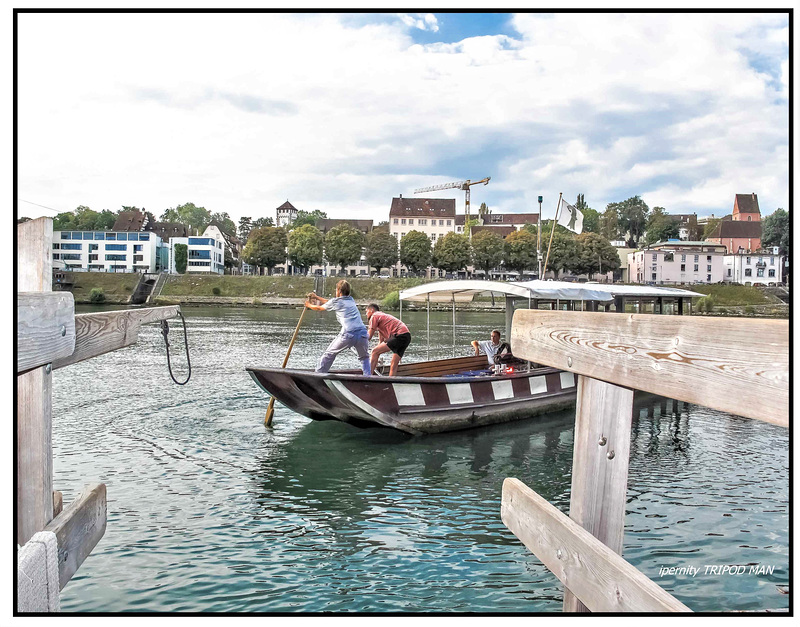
733 365
601 448
78 529
600 578
58 503
34 477
103 332
45 328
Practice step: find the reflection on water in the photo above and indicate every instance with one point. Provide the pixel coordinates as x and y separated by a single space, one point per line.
209 511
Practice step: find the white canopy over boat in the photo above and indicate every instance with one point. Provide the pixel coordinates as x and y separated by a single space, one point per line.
464 290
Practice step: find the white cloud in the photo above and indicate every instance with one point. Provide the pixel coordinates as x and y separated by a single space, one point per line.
240 112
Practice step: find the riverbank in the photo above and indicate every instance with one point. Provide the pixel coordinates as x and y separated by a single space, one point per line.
280 292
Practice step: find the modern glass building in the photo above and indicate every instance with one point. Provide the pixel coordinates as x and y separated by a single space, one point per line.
106 251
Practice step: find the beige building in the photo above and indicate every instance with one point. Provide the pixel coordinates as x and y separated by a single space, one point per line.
436 217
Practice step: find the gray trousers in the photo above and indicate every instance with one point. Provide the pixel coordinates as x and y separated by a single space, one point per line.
357 340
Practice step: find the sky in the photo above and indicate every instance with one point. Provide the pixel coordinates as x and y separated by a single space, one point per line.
342 112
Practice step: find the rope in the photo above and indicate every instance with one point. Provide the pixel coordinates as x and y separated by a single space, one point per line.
164 332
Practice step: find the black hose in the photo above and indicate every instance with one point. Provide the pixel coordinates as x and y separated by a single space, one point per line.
164 332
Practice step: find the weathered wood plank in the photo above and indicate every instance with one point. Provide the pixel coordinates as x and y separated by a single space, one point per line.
45 328
733 365
600 578
78 529
34 481
58 503
103 332
600 459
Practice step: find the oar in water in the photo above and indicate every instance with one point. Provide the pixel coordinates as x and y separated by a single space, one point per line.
268 417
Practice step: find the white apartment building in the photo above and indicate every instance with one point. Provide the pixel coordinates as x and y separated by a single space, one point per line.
206 252
676 263
106 251
435 217
761 268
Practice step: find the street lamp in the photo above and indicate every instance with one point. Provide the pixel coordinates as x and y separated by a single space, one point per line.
539 238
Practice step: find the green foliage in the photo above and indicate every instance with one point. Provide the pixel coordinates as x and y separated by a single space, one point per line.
520 251
97 295
468 224
733 295
415 251
483 209
105 220
631 215
775 231
198 218
262 222
451 252
84 219
487 250
591 217
705 304
181 258
391 302
308 217
306 246
381 250
266 247
245 226
564 251
216 291
609 224
711 226
595 254
750 310
660 227
343 245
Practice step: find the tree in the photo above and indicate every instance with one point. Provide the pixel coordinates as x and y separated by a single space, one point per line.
65 222
245 226
343 245
306 246
520 251
591 217
451 252
483 209
487 250
415 251
381 250
85 218
595 254
181 257
195 217
262 222
563 250
632 217
661 227
308 217
224 222
711 226
609 224
775 231
266 247
105 220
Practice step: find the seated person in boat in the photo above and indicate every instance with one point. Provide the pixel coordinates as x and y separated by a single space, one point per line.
353 334
489 347
393 335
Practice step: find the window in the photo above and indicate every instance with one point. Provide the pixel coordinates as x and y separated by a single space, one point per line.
65 235
56 256
696 258
747 261
111 236
88 235
655 256
729 272
93 247
669 256
683 257
411 221
116 247
199 263
136 257
76 235
760 272
653 276
396 221
199 254
133 237
708 268
771 273
772 261
72 257
708 257
448 223
708 278
683 267
201 241
403 221
144 237
441 222
121 237
748 272
137 248
99 235
760 260
696 267
71 246
92 257
56 246
115 257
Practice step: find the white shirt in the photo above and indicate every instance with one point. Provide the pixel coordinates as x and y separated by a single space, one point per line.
489 348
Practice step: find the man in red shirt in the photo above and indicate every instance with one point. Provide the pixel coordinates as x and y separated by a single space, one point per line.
393 334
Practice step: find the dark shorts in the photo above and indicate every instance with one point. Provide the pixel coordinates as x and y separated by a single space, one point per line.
399 343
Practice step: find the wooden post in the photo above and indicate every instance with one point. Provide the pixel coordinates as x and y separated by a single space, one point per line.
34 481
600 465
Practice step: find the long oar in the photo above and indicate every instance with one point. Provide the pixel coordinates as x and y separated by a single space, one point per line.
268 417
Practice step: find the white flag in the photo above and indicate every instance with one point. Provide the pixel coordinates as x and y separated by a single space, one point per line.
570 218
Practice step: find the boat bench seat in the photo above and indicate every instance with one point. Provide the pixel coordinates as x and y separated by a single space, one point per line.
443 367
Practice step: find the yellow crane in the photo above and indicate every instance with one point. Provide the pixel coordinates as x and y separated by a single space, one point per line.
465 185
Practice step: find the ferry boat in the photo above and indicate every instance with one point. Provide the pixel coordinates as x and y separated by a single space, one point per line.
462 392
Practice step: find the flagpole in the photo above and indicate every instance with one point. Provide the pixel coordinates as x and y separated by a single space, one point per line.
552 231
539 240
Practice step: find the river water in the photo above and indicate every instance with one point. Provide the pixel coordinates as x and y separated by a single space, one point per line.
209 511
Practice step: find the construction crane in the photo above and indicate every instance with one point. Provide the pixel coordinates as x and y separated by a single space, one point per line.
465 185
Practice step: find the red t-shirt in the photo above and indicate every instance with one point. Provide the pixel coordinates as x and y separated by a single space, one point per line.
386 325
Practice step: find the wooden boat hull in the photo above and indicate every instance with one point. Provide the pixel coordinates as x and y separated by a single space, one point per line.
417 404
